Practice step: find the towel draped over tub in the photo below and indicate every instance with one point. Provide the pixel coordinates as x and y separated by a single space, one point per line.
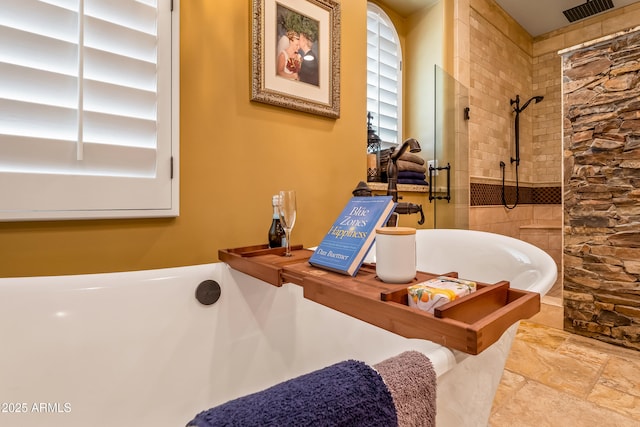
396 392
411 379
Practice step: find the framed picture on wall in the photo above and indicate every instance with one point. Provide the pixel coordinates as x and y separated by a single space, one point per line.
295 57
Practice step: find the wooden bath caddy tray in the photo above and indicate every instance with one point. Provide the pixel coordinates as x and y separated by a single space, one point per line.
469 324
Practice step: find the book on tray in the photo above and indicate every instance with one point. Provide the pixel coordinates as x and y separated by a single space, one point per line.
345 246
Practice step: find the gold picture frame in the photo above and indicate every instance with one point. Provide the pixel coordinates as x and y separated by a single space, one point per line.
284 72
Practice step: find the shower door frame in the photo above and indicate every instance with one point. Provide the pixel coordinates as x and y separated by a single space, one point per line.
449 189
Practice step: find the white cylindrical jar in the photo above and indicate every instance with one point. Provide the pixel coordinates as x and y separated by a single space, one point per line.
396 254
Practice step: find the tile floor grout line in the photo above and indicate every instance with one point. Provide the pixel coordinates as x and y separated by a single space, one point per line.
600 372
568 342
609 353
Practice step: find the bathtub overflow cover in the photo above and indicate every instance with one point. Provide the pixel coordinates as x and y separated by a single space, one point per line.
208 292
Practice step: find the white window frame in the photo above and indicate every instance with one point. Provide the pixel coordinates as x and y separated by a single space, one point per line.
374 80
31 194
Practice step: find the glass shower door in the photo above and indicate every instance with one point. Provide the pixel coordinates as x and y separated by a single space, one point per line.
449 167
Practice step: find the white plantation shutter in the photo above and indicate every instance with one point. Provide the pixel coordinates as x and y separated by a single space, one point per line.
87 128
384 75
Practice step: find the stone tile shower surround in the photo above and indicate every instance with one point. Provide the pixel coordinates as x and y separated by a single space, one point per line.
503 64
537 219
602 180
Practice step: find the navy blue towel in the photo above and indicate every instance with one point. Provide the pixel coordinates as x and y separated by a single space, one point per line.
411 175
349 393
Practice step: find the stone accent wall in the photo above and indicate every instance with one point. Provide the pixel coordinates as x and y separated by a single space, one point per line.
601 114
547 72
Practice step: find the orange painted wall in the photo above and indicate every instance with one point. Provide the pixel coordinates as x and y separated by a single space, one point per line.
234 155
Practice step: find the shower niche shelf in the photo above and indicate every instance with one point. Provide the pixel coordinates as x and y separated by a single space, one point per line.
469 324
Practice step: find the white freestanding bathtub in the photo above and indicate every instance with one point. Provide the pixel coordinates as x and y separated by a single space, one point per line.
137 348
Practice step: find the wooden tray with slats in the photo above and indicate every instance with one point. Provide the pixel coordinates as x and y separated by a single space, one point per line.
469 324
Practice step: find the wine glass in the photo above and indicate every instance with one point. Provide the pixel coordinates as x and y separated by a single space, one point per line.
287 213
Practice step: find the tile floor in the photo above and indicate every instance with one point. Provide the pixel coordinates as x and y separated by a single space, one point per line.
554 378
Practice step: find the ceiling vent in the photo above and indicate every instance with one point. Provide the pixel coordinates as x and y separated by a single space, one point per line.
590 8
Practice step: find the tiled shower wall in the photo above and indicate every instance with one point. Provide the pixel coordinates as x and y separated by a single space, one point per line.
504 65
504 61
497 219
539 225
501 67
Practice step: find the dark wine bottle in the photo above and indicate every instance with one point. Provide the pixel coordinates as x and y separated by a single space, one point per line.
276 232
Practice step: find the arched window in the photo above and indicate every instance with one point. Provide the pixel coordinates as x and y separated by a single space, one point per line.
384 75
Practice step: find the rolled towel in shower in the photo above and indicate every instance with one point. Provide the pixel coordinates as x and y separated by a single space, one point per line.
411 379
349 393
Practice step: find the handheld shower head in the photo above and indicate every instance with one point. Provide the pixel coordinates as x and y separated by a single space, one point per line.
526 104
517 109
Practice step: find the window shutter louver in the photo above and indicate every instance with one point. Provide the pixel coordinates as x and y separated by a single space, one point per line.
86 120
384 75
